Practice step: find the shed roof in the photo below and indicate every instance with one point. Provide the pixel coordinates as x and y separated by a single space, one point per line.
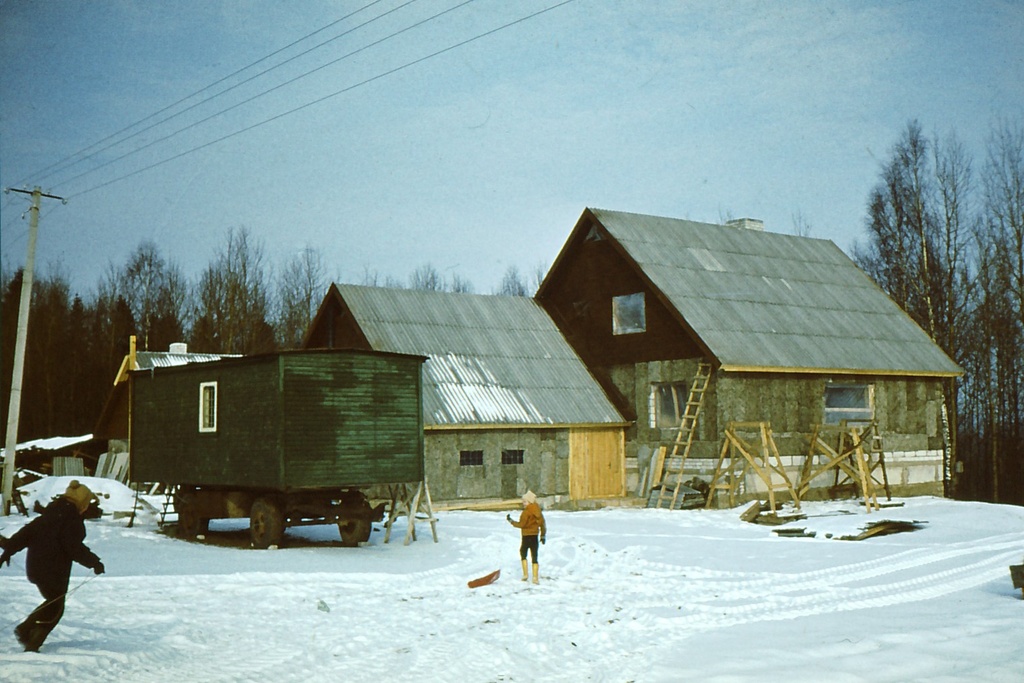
491 360
766 301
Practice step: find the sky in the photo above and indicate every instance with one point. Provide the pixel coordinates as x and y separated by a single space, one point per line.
468 135
653 596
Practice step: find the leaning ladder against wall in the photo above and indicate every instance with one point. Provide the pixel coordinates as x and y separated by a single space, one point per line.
682 444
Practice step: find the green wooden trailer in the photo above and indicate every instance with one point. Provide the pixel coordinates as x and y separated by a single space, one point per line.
285 439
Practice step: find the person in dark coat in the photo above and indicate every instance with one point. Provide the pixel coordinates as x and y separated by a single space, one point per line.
54 540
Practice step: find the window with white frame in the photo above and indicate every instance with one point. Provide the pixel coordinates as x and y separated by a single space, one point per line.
208 407
628 314
849 402
668 402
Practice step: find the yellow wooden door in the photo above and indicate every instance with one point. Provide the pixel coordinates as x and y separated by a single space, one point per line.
597 463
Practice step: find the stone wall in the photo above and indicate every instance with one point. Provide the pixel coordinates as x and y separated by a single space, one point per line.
907 412
545 468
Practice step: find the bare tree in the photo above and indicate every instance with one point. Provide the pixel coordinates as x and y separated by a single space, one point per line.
156 293
461 284
232 300
512 283
427 278
801 226
374 278
1004 195
300 288
900 226
1003 311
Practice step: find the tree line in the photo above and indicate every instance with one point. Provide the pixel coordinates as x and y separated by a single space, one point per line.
237 304
945 240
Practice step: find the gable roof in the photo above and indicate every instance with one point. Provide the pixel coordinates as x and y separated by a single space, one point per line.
762 301
491 360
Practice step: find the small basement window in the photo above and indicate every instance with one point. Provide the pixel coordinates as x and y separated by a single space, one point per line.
668 402
208 407
628 315
471 458
850 402
512 456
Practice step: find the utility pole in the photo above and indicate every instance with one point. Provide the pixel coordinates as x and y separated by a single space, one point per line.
14 410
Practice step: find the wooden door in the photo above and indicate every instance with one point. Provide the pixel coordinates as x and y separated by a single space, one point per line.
597 463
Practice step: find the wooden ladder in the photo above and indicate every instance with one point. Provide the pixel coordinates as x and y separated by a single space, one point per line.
169 492
683 442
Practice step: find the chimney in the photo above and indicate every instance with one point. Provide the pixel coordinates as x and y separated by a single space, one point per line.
747 223
179 348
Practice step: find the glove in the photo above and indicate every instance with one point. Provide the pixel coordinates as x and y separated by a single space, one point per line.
5 559
99 568
509 518
543 540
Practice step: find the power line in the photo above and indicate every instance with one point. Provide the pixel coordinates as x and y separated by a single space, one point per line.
48 171
265 92
332 95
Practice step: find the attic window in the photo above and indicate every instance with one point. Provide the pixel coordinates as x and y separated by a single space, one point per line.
208 407
849 402
628 315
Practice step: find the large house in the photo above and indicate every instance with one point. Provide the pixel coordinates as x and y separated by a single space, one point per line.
507 404
796 334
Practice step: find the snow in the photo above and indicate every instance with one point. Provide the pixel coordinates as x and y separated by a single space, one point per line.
625 595
50 444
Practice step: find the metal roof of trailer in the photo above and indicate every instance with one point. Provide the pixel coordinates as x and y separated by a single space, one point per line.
144 360
491 360
766 301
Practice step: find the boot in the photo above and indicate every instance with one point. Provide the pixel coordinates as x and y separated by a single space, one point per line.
536 574
525 574
31 636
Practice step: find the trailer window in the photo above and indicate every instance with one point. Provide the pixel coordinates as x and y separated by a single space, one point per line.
628 316
850 402
471 458
512 456
208 407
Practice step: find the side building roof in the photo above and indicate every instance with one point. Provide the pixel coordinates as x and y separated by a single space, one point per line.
491 360
762 301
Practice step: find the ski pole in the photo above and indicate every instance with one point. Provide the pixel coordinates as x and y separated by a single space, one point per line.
53 600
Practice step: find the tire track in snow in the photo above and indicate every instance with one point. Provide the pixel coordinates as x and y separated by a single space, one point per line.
720 599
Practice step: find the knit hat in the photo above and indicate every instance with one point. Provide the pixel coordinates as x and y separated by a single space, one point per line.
529 497
80 495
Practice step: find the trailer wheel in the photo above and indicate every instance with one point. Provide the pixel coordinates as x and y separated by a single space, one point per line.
266 523
190 524
354 531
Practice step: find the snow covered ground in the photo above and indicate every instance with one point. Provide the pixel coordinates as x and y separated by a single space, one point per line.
625 595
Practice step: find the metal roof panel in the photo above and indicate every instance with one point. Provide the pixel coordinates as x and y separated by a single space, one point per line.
490 359
765 300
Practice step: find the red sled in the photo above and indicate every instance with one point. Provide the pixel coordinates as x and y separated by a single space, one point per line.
484 580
